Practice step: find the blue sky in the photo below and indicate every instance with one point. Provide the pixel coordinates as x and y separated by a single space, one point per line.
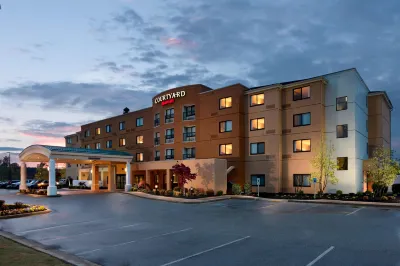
68 62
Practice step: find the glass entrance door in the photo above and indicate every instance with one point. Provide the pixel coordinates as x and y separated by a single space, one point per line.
120 181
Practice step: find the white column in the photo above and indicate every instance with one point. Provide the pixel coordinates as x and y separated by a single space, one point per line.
52 188
128 184
22 184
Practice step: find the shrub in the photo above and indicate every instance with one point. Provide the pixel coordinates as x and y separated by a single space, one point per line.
384 198
220 193
236 189
247 189
2 203
19 204
392 198
339 193
368 193
352 194
23 191
396 188
169 193
365 198
210 192
360 194
162 192
379 189
395 195
177 189
150 191
157 192
198 191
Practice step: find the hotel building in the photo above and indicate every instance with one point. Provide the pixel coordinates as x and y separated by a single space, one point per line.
237 134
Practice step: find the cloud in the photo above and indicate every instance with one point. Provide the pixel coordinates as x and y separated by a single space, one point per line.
9 140
114 67
10 149
43 128
6 120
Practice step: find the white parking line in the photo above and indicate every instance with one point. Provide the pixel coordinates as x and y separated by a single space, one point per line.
264 207
88 233
353 212
205 251
320 256
133 241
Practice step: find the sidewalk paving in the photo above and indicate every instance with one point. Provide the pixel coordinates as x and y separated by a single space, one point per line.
354 203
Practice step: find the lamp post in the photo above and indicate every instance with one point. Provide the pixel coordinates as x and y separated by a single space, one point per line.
156 186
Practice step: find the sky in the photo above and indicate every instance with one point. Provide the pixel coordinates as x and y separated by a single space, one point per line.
69 62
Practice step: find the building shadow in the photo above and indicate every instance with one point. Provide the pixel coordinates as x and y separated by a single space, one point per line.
206 172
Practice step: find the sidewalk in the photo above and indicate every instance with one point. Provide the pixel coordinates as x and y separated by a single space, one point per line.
354 203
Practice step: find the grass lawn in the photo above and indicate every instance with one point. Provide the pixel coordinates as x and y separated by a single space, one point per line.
13 254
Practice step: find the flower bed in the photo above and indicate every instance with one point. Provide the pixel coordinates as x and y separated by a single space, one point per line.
194 193
18 208
34 191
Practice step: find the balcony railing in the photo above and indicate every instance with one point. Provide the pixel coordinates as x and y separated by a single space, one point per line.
157 158
189 136
169 138
156 141
189 155
169 118
189 115
169 157
157 122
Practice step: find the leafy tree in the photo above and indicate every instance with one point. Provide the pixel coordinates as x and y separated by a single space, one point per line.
184 174
299 180
382 169
42 172
5 161
325 165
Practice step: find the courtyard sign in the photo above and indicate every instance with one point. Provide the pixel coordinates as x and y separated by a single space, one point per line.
169 97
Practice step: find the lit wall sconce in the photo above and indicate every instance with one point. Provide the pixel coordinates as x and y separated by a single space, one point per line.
156 186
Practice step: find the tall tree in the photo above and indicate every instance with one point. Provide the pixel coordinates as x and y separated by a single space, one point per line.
382 168
324 164
42 172
184 174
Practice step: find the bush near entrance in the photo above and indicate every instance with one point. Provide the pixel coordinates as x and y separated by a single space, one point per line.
192 193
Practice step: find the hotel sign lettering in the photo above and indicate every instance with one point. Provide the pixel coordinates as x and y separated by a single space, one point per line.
169 97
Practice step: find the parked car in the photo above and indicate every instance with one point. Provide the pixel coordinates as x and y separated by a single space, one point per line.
3 184
33 184
61 183
42 185
14 185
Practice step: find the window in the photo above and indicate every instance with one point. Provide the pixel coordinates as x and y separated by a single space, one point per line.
157 155
122 142
139 157
87 133
189 112
257 124
87 146
69 140
98 146
122 125
109 144
225 103
302 120
341 131
169 115
341 103
189 134
225 149
98 131
225 126
108 128
139 139
169 154
189 153
342 163
139 121
157 138
157 119
169 135
301 93
257 148
302 145
257 99
301 180
254 180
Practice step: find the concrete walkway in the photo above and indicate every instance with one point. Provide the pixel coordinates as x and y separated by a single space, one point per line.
354 203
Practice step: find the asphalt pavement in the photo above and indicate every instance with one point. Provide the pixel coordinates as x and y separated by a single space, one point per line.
118 229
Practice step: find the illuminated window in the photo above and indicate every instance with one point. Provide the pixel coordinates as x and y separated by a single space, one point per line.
301 93
122 142
122 125
342 163
341 131
108 128
257 124
109 144
139 121
302 119
300 180
341 103
139 139
225 149
98 146
139 157
257 148
257 99
302 145
225 103
225 126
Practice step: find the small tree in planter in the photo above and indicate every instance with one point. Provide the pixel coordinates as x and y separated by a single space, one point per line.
184 174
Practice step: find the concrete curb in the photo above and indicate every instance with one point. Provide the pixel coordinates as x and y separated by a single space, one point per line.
354 203
24 214
65 257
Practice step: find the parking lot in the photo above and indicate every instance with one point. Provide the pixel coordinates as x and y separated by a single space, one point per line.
118 229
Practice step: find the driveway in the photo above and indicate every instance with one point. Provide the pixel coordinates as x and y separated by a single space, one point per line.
118 229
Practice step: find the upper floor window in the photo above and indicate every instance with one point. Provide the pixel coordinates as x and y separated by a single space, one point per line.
341 131
108 128
254 180
225 126
342 163
98 146
157 138
189 112
98 131
189 133
302 145
157 119
257 148
139 121
301 180
169 135
87 146
225 149
122 125
169 115
257 124
189 153
257 99
139 139
341 103
157 156
225 103
169 154
302 119
87 133
109 144
139 157
122 142
301 93
69 140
